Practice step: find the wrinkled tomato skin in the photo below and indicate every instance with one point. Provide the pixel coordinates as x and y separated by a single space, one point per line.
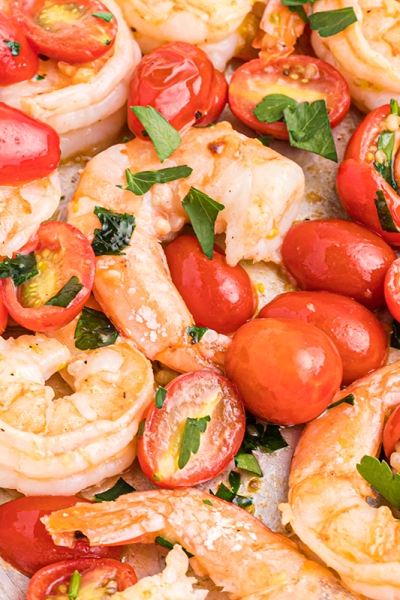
338 256
15 68
358 336
25 542
29 149
219 296
286 371
391 432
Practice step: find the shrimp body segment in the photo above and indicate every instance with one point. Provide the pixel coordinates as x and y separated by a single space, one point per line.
330 503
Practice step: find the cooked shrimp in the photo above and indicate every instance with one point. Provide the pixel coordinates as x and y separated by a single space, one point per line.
235 549
86 103
60 446
367 53
328 500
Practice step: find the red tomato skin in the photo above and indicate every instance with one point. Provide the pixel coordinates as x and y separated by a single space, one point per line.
242 106
358 336
44 582
286 371
3 316
219 296
25 542
234 422
29 149
219 98
392 289
338 256
391 432
15 68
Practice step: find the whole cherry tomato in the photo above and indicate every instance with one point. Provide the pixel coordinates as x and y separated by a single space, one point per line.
358 336
391 433
313 79
18 61
338 256
179 80
190 396
29 149
286 371
74 32
218 296
392 289
25 542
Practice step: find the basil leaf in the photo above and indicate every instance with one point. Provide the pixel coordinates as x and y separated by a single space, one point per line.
20 269
309 129
15 47
224 493
202 212
196 333
140 183
67 293
160 397
166 544
349 399
331 22
379 475
234 481
271 108
384 214
395 337
248 462
119 489
40 77
141 428
106 16
191 438
266 140
394 107
115 233
74 585
165 138
272 439
208 502
386 144
94 330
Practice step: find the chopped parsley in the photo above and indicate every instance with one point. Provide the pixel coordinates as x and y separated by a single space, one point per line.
202 212
119 489
384 214
94 330
115 233
142 182
190 443
160 397
196 333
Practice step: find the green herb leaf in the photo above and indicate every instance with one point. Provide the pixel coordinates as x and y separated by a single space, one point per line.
115 233
248 462
268 439
94 330
309 128
15 47
196 333
202 212
40 77
231 495
395 337
119 489
74 585
126 139
224 493
140 183
266 140
234 481
386 144
271 108
141 428
191 438
166 544
394 107
272 439
67 293
379 475
160 397
20 269
208 502
384 214
243 501
106 16
165 138
299 9
331 22
349 399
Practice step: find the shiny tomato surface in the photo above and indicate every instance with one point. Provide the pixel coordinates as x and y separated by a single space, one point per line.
25 542
358 336
29 149
391 433
219 296
18 60
286 371
392 289
314 80
66 30
338 256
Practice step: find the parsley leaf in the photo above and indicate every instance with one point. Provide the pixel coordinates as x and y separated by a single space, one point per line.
160 397
267 439
208 502
140 183
386 144
395 337
67 293
21 268
141 428
266 140
106 16
349 399
384 214
165 138
297 6
191 438
202 212
248 462
166 544
271 108
15 47
394 107
115 233
40 77
196 333
331 22
119 489
94 330
309 128
379 475
231 495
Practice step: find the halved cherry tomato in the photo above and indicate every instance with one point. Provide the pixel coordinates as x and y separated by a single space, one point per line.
18 61
180 81
96 573
303 78
29 149
358 336
286 371
218 296
27 545
338 256
391 433
62 252
192 396
66 30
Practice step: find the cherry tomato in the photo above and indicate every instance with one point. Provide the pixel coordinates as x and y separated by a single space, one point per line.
218 296
180 81
391 433
29 149
338 256
392 289
96 573
303 78
358 336
286 371
3 317
66 30
18 61
62 252
25 542
191 396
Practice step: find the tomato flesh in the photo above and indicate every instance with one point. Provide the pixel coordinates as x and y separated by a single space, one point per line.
391 433
219 296
193 395
18 60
